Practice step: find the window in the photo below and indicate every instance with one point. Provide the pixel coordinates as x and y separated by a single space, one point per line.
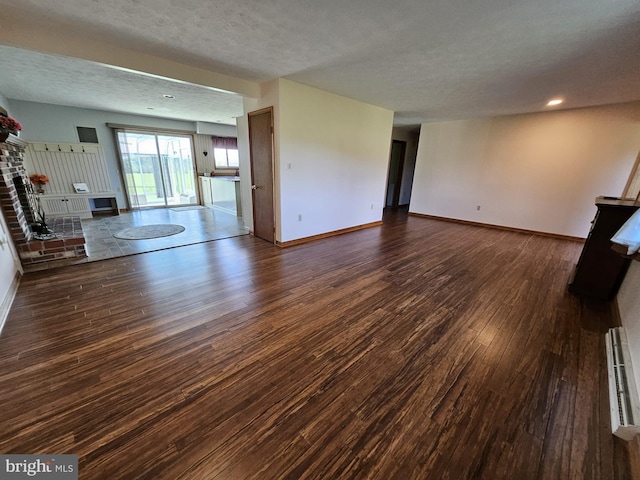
225 152
226 157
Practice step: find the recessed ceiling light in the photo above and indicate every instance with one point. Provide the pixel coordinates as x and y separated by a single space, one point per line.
168 96
149 108
554 102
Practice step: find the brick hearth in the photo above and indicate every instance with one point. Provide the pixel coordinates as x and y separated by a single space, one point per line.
34 254
68 244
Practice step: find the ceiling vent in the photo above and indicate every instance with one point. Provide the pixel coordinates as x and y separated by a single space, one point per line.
87 135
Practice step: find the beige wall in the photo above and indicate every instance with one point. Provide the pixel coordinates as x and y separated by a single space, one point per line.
537 171
331 156
333 161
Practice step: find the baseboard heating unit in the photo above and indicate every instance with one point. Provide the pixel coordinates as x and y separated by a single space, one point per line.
623 394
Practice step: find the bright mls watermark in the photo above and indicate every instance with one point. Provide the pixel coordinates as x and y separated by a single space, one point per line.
50 467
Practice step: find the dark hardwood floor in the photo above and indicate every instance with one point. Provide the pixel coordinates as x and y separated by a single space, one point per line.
416 350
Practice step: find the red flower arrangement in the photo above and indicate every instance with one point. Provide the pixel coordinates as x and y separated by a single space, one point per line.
39 179
10 124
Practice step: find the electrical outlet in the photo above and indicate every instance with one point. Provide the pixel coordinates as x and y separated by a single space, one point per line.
299 218
372 206
478 207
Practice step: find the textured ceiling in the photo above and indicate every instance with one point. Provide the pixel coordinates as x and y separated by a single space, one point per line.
42 78
425 60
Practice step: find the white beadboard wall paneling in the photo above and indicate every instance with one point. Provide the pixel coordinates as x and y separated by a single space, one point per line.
204 164
66 164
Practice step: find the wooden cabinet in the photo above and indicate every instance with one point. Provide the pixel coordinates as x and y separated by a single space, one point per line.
600 270
61 205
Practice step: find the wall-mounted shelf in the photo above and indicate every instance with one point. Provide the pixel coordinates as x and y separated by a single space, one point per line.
64 147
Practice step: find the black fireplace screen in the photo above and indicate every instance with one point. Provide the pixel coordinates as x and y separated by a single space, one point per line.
25 192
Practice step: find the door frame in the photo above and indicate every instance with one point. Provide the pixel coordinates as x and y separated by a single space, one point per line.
273 169
632 188
395 201
115 128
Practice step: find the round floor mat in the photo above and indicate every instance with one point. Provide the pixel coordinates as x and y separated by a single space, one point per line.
149 231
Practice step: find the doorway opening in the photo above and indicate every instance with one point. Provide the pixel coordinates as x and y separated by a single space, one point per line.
396 170
158 169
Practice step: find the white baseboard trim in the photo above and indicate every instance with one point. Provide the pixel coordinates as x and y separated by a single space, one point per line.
8 299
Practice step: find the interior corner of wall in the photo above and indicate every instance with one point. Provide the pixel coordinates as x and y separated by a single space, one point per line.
249 104
5 104
269 87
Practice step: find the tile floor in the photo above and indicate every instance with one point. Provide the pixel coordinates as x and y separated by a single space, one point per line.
201 225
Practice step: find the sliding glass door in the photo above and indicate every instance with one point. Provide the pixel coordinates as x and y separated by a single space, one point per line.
158 169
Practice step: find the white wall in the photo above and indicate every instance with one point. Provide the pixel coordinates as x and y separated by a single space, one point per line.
538 171
55 123
629 306
208 128
409 161
9 263
4 103
9 266
245 170
333 156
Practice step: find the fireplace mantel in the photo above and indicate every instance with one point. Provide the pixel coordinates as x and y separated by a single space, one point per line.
13 140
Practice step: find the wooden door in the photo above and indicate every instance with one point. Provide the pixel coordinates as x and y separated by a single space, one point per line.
261 151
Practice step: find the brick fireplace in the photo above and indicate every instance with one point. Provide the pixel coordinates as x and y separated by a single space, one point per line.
19 208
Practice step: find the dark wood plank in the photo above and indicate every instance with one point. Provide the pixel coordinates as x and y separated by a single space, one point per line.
418 349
